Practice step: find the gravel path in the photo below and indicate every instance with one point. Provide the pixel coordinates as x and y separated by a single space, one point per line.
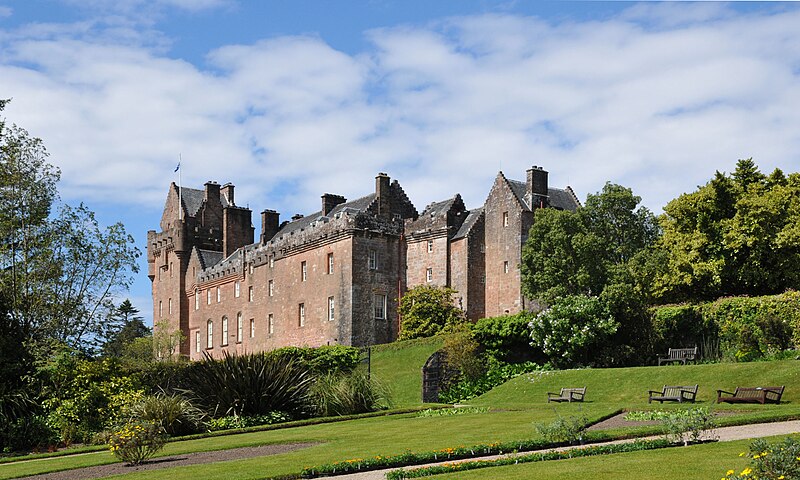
725 434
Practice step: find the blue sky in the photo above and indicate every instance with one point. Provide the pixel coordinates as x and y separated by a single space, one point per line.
292 99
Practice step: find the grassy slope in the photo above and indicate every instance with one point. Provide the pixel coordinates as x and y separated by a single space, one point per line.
399 366
518 405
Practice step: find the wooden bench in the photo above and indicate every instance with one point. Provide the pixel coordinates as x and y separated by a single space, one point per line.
567 395
679 355
673 393
760 395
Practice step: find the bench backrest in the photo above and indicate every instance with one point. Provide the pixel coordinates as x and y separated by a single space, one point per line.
680 353
566 391
772 393
675 390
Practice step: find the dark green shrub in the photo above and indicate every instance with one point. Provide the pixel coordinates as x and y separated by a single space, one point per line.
173 413
324 359
427 310
136 442
228 423
497 374
348 393
681 326
507 337
253 384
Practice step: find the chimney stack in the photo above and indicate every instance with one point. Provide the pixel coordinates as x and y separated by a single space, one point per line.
269 225
382 193
212 192
330 201
227 192
536 187
297 216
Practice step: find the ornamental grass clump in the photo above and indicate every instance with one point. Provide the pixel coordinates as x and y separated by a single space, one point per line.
136 442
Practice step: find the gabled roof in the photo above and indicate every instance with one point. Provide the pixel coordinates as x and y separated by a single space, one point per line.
563 199
208 258
355 206
466 227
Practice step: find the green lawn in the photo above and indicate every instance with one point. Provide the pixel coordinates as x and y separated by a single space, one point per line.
516 406
399 366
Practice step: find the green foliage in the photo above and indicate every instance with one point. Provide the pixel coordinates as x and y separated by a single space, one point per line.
770 461
505 338
564 430
136 442
253 384
449 412
736 235
579 253
461 352
238 422
692 425
497 374
324 359
123 327
427 310
348 393
632 343
173 413
572 330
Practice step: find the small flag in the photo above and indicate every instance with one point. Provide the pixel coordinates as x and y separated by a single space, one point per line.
178 167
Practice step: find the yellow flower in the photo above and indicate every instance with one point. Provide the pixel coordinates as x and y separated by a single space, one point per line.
746 471
729 472
743 454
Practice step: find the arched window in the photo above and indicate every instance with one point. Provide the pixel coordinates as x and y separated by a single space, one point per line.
239 327
210 334
224 331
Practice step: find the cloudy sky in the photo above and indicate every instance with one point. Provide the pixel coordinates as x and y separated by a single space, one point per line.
291 99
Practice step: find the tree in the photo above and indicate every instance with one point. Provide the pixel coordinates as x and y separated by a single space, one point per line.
60 270
737 234
123 327
579 253
427 310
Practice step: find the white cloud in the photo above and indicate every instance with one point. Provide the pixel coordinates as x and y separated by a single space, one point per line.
5 11
656 98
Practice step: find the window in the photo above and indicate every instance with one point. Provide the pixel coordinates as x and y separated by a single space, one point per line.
271 261
301 314
170 269
219 295
197 299
250 293
303 271
239 327
208 294
271 324
252 328
169 306
210 334
379 302
430 246
224 331
197 341
331 305
236 289
249 268
271 285
160 310
505 219
429 275
373 260
330 263
505 266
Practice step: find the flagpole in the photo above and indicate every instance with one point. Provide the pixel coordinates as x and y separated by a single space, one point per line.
180 188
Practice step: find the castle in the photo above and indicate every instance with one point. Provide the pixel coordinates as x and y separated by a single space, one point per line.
335 276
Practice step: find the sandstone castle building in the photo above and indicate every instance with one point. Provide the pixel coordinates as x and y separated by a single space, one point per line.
335 276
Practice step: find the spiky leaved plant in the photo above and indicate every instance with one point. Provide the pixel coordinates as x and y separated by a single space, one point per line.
348 393
252 384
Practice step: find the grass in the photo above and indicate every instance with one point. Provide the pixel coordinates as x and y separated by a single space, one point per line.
705 461
398 365
514 408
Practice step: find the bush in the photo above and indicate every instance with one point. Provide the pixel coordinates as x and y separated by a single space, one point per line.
347 394
173 413
506 338
427 310
136 442
497 374
570 430
227 423
779 460
572 330
254 384
684 426
324 359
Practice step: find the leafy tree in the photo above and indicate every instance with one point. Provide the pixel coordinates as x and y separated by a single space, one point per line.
427 310
122 328
579 253
59 269
737 234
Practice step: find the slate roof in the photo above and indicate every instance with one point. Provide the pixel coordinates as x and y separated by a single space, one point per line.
208 258
355 206
193 199
469 222
562 199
